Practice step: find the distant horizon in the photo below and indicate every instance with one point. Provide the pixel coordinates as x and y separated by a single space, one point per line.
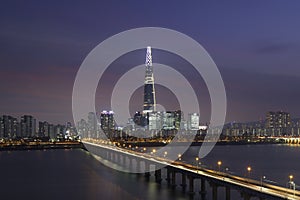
61 123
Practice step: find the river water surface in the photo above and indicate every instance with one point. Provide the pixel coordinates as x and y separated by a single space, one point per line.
76 174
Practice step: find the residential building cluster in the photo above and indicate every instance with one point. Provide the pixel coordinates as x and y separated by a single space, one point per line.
275 124
28 127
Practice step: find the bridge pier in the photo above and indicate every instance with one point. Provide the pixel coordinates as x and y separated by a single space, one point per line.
118 158
168 179
147 170
183 181
112 156
227 191
173 179
157 174
129 163
102 154
121 160
191 185
203 189
107 155
214 187
138 166
246 196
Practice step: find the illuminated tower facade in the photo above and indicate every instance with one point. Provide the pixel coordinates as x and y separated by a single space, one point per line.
149 91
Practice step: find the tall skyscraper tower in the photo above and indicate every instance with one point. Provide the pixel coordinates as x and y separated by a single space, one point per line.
149 91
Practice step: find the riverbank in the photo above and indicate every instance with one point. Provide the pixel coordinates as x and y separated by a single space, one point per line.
198 143
42 146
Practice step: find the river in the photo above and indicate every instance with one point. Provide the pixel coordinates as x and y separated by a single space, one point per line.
76 174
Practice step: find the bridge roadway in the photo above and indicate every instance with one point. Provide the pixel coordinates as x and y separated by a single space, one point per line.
248 187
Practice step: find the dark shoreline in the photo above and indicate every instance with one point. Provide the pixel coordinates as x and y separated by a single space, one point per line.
79 145
221 143
24 147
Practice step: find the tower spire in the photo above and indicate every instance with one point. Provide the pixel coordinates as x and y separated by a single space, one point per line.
149 91
148 57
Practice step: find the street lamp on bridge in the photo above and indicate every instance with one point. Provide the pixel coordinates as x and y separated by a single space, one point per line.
291 178
153 151
219 165
292 184
262 178
165 153
249 171
197 163
179 157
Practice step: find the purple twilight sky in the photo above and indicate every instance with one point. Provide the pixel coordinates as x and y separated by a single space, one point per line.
255 44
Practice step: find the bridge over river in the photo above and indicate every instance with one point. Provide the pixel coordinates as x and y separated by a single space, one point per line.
147 164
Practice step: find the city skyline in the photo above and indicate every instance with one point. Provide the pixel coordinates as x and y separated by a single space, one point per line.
155 100
254 47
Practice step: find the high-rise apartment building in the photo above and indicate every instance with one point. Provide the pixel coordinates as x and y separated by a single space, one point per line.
278 123
28 126
9 127
278 119
193 121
